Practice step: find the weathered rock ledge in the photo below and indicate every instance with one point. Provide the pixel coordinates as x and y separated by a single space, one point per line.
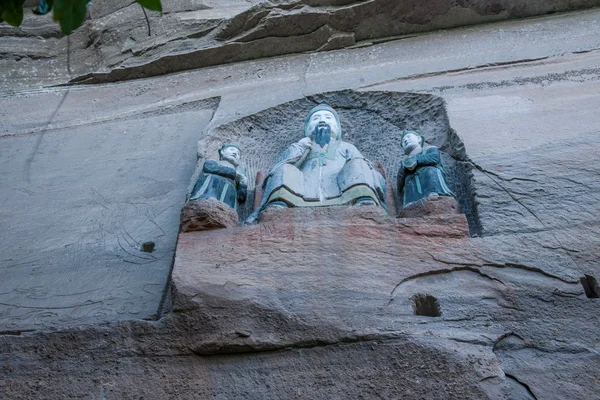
335 302
117 44
274 28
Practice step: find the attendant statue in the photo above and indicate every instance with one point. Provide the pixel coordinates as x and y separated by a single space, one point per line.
321 170
223 180
421 174
215 196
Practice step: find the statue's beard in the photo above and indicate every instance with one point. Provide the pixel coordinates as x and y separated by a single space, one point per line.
322 134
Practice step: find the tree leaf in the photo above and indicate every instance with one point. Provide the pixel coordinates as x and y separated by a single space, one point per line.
153 5
11 11
70 14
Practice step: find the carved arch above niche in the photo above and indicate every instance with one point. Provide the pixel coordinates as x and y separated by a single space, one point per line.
372 121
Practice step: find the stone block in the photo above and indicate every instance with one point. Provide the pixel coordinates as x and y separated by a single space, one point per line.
433 205
207 214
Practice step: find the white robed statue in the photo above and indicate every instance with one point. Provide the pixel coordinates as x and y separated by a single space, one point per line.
321 170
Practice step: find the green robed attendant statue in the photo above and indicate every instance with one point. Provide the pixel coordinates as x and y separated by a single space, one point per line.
421 174
223 180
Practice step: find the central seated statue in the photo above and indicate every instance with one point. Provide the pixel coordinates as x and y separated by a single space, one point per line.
321 170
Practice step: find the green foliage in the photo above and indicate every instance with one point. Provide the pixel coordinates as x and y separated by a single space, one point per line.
70 14
153 5
11 11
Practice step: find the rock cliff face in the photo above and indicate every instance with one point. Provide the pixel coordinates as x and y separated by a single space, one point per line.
116 43
102 297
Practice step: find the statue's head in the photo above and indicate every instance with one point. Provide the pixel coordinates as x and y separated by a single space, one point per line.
323 123
230 153
411 140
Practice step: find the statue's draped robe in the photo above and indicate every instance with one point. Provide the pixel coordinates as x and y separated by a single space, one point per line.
428 177
316 176
218 180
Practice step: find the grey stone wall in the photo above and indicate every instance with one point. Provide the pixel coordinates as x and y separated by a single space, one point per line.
77 205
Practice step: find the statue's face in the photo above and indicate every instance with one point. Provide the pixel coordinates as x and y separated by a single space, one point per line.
328 118
232 155
410 142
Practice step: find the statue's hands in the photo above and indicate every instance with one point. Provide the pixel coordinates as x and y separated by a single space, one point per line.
242 179
410 163
306 143
242 187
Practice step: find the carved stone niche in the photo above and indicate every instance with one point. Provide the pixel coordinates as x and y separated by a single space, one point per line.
371 121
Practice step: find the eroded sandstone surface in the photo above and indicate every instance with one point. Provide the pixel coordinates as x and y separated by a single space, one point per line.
338 302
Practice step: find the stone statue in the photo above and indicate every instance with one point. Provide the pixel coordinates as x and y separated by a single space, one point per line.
421 174
214 198
321 170
223 180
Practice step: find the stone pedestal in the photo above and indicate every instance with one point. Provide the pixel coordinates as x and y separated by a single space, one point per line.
430 206
207 214
306 274
344 281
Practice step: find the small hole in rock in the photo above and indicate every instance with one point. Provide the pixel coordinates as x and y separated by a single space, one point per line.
426 305
148 247
590 285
